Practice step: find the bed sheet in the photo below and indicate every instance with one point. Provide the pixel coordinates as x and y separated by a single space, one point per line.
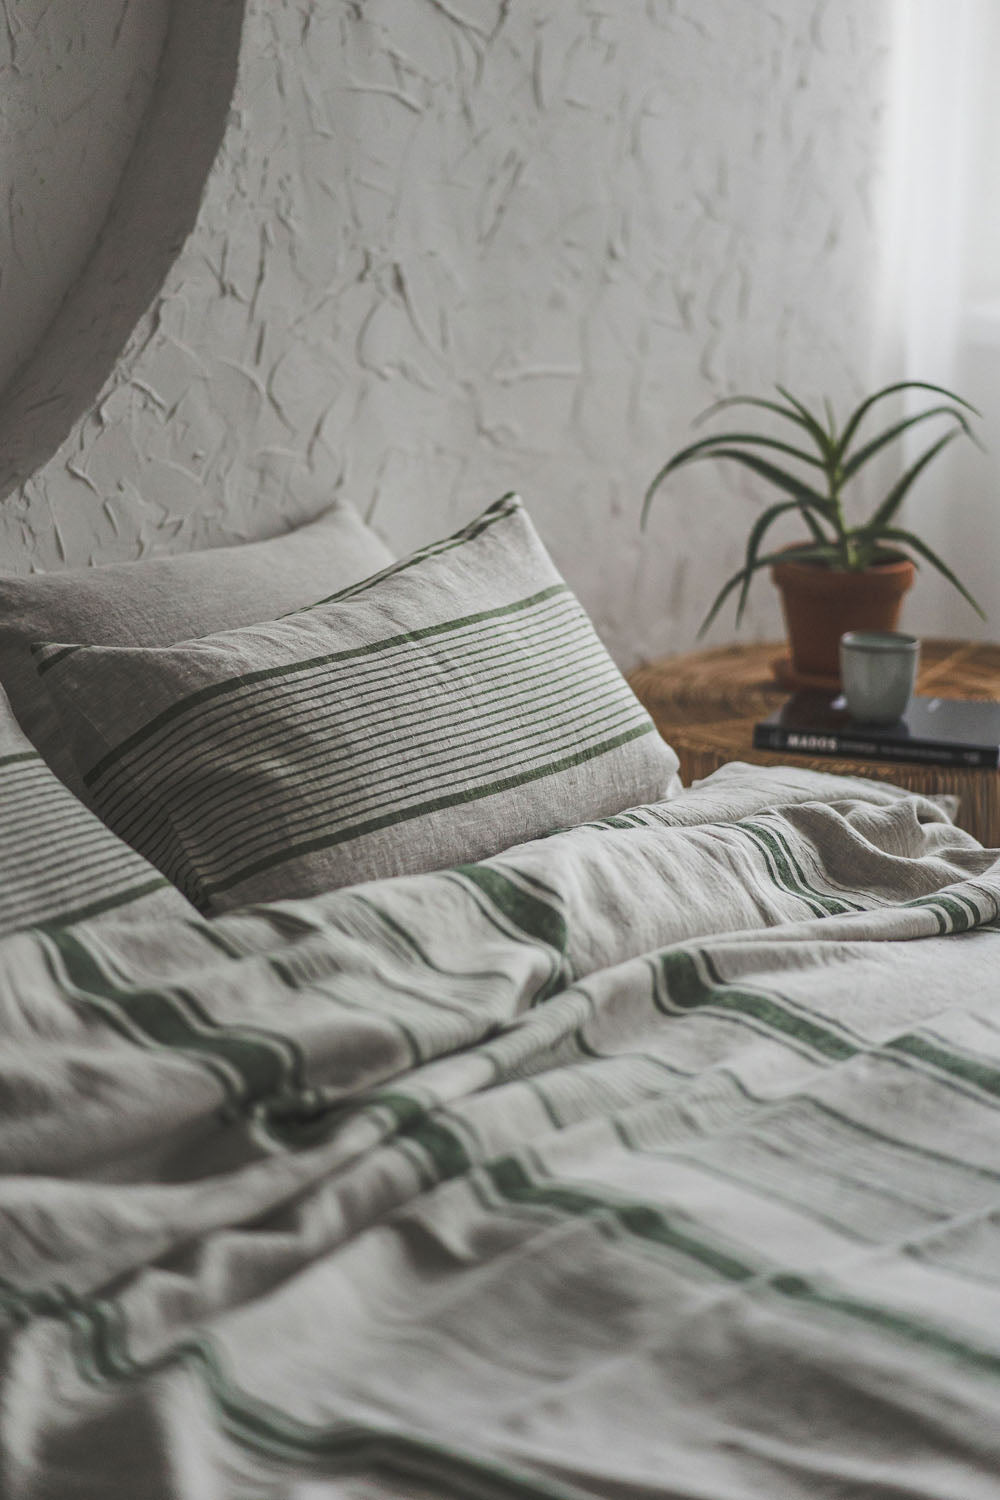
659 1157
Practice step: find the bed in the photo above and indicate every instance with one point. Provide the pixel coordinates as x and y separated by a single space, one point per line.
647 1152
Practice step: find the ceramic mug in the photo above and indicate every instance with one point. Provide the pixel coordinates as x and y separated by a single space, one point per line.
878 669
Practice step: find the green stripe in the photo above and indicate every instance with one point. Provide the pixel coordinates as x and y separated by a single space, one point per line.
262 674
511 1180
241 733
513 911
262 1427
914 1330
437 1139
99 1343
688 989
508 505
108 903
809 1103
18 756
790 873
125 804
415 946
650 1224
53 656
539 920
266 1062
953 913
419 810
568 637
981 1074
533 880
219 827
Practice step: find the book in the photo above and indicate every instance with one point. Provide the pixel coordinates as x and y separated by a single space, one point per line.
935 731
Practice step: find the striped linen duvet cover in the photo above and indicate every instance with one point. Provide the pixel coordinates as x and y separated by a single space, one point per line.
660 1157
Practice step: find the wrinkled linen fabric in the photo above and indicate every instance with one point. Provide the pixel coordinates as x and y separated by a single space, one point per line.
157 601
453 704
58 861
655 1158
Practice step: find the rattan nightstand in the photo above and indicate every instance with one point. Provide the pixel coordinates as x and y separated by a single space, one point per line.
707 702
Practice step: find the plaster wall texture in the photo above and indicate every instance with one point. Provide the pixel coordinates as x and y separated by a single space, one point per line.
447 250
75 80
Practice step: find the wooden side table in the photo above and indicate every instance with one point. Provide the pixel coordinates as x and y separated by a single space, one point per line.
707 702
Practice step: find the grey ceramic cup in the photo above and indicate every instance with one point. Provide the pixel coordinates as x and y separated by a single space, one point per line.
878 669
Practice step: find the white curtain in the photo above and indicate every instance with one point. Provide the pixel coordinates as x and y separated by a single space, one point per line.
941 292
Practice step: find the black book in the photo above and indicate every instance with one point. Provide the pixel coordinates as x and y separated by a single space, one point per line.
934 731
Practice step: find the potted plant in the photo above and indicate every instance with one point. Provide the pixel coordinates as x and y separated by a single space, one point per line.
842 577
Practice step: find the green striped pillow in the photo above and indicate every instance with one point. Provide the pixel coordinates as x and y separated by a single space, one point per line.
58 862
452 705
159 600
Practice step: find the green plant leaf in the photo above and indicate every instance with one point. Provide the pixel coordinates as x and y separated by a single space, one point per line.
816 429
894 499
807 515
808 552
867 550
706 448
778 477
862 456
900 385
909 540
794 412
709 449
757 531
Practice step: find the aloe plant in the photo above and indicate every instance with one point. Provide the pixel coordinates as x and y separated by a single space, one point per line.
837 457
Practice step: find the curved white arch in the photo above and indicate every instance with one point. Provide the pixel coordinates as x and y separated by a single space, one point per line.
153 210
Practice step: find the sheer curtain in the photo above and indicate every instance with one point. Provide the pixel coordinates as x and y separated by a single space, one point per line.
941 294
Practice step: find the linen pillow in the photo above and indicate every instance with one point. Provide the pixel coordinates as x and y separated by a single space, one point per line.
58 862
455 704
158 601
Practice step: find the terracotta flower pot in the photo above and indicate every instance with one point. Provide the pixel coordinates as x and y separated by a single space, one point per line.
820 603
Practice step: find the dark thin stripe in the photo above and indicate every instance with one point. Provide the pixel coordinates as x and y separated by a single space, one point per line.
18 756
280 713
414 945
263 674
49 873
108 903
508 505
435 804
676 976
266 1061
100 1350
310 812
48 825
332 744
302 796
363 679
938 1055
53 658
791 877
313 800
540 921
353 770
689 990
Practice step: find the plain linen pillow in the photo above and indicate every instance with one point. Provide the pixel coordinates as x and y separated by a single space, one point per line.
58 862
455 704
158 601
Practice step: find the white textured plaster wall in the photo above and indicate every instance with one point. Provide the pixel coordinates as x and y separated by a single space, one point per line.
451 249
75 79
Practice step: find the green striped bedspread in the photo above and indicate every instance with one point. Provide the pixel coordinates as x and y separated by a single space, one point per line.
660 1157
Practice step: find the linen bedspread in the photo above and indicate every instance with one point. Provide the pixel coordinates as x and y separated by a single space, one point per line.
658 1157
